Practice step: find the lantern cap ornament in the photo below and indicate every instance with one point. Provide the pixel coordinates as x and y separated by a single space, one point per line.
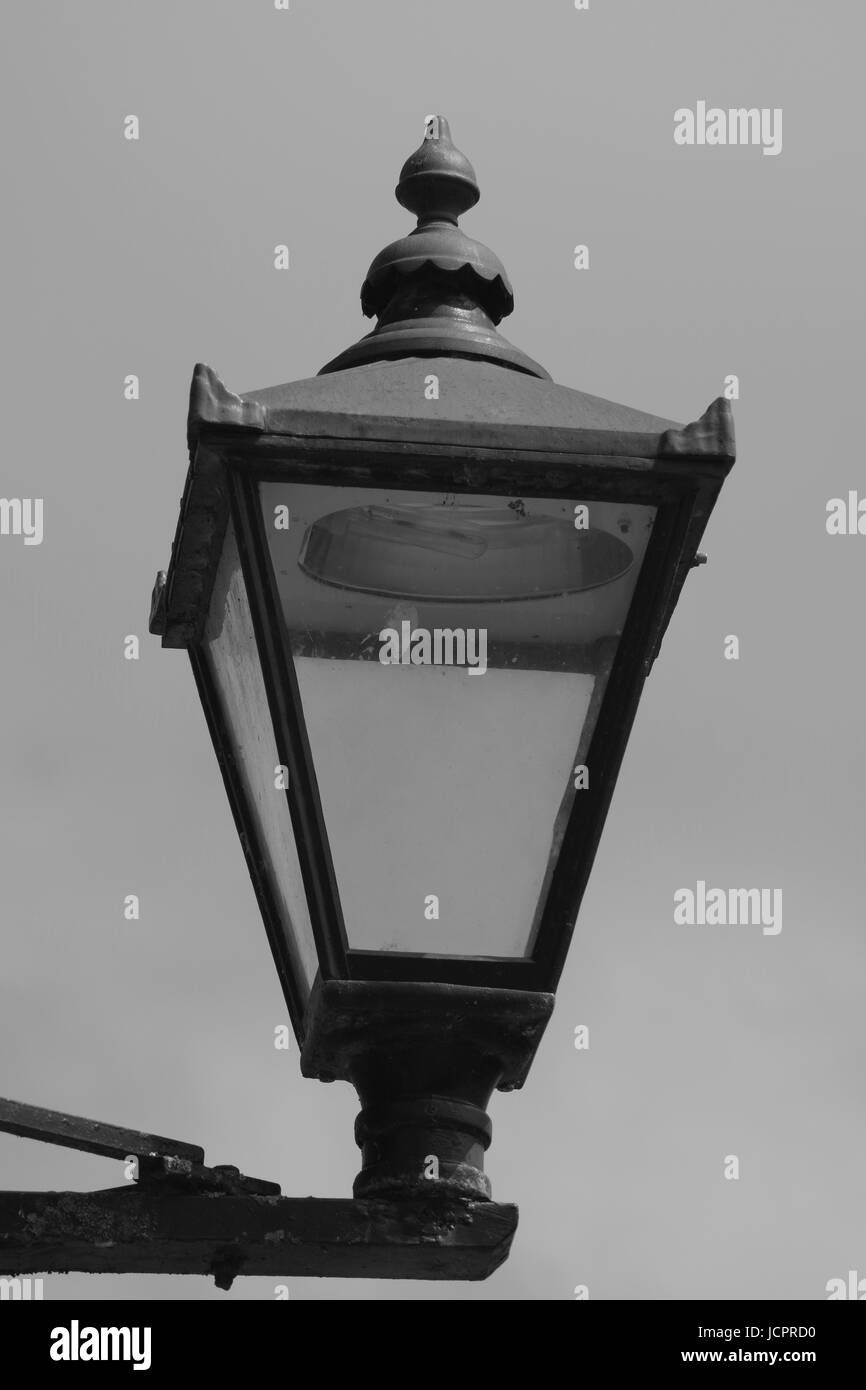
437 291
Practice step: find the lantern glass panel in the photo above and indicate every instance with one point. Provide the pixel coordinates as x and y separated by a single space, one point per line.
452 653
231 658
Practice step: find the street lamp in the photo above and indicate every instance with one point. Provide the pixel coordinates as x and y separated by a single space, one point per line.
421 593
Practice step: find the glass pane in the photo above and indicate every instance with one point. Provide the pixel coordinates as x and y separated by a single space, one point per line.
230 652
451 654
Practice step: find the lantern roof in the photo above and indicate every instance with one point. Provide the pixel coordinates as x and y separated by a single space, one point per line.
435 367
434 377
477 403
468 390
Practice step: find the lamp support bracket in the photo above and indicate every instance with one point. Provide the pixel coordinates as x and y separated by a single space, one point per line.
181 1217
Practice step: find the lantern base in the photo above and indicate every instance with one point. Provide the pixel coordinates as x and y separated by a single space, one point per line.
421 1144
425 1060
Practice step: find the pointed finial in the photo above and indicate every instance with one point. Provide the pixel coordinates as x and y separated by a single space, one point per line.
436 291
437 182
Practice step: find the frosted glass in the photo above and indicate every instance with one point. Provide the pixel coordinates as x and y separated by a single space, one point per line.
436 782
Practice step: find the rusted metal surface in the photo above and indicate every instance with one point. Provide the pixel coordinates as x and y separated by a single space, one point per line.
90 1136
179 602
181 1217
138 1231
162 1163
210 402
182 1175
424 1059
713 435
347 1019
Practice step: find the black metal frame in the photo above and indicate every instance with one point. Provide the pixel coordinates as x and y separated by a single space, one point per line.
181 1217
683 490
293 992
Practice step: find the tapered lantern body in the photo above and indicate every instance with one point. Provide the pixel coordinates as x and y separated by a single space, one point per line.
421 593
425 633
